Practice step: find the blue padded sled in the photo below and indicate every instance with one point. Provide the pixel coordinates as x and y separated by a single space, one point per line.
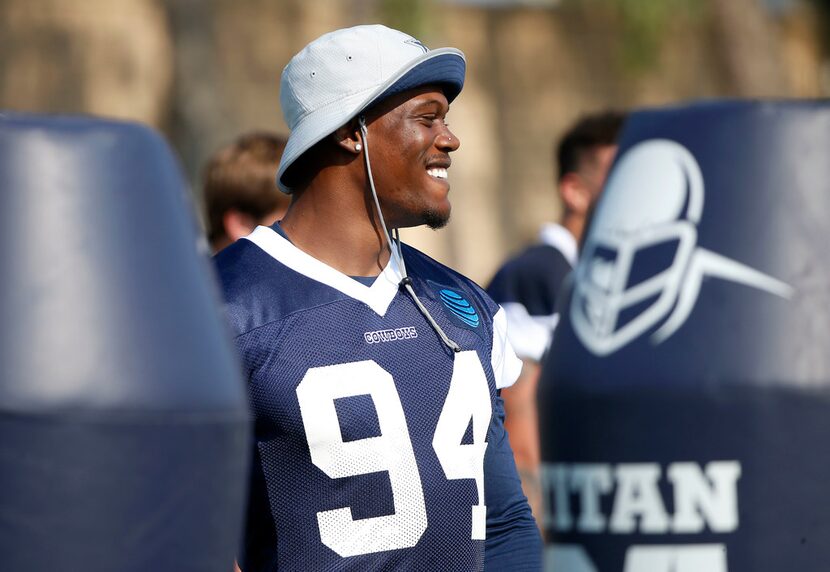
123 419
685 404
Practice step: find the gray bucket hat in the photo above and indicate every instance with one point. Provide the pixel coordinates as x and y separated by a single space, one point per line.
341 73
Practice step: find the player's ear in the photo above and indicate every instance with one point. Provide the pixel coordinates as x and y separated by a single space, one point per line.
238 224
348 137
575 193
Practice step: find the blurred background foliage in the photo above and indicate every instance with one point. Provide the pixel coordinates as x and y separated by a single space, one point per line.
644 27
202 71
410 15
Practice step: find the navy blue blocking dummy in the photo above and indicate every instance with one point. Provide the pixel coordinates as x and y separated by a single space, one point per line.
123 418
686 400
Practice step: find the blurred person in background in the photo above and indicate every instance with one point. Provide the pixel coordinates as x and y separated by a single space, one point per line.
240 189
527 285
374 371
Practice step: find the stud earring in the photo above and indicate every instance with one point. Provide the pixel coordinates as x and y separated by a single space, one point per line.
358 147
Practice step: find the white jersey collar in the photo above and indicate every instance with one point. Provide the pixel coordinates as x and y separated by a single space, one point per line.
378 296
560 238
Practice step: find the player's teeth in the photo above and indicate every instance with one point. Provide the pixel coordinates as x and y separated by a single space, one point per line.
437 173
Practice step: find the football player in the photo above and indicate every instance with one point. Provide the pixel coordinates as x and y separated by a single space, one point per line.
374 372
239 188
528 284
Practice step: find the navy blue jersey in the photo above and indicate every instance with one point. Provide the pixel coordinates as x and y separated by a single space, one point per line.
527 286
374 442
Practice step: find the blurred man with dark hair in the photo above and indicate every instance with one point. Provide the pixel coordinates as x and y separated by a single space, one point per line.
240 188
527 285
584 156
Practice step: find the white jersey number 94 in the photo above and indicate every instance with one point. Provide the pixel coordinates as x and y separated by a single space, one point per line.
468 398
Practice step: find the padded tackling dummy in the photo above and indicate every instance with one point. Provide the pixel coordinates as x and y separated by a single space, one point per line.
686 400
123 416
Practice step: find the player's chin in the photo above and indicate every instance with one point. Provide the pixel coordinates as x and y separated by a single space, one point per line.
436 218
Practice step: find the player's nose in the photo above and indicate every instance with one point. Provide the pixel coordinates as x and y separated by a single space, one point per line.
447 141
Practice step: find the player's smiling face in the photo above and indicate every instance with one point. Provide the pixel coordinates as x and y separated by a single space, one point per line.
409 147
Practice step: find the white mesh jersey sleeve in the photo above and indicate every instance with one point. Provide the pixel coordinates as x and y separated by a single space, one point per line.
506 366
529 335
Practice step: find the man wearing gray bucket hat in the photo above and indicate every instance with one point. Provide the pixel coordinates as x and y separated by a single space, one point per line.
374 372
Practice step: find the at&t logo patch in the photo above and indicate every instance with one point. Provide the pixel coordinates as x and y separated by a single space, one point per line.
460 307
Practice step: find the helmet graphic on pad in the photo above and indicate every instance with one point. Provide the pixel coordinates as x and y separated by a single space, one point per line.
641 266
